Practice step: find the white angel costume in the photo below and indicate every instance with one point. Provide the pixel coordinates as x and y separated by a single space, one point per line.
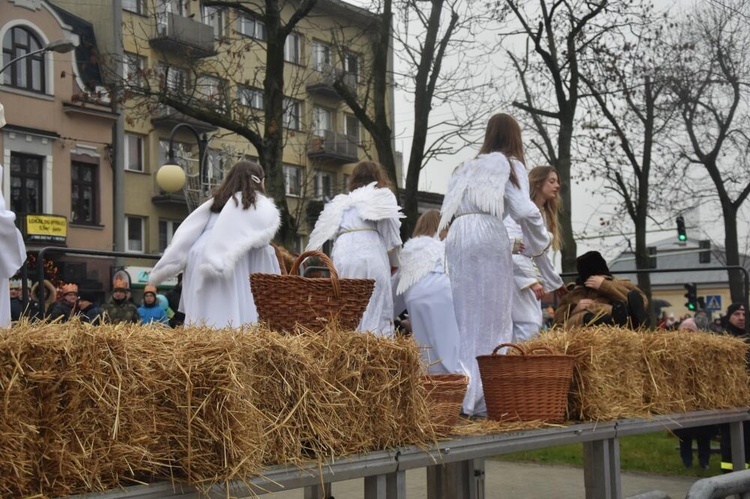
12 256
478 256
217 252
528 270
364 225
428 297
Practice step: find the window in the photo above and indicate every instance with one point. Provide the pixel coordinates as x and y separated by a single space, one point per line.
134 233
26 183
214 166
164 8
292 51
251 97
252 27
133 67
322 121
321 56
166 231
210 90
133 152
214 17
174 79
345 183
28 73
352 128
292 113
351 68
293 180
136 6
182 155
83 189
323 185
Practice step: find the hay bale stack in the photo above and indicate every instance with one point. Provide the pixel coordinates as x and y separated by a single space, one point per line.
28 358
607 379
694 371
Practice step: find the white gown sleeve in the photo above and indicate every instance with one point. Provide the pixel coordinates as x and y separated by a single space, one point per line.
526 213
550 278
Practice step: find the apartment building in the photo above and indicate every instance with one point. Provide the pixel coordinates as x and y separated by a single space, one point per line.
56 146
217 56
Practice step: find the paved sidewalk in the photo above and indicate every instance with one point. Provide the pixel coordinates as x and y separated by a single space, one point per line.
505 480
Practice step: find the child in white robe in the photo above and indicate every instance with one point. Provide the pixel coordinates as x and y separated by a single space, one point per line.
13 252
481 193
218 246
364 225
427 295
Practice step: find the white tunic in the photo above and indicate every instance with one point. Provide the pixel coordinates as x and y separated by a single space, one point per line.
220 301
428 297
478 254
217 252
12 256
365 226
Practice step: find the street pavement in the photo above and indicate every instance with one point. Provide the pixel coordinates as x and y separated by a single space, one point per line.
509 480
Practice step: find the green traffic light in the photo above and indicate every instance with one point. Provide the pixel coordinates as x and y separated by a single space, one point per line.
682 237
690 306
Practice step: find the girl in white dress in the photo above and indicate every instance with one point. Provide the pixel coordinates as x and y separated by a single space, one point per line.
535 275
218 246
481 193
364 225
426 293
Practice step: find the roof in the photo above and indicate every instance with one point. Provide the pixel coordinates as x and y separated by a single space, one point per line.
672 254
86 52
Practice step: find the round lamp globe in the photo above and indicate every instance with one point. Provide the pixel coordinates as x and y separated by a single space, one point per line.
170 178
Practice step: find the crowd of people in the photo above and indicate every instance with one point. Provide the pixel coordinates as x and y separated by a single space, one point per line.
471 277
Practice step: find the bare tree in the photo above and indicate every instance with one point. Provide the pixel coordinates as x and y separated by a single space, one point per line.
629 89
557 33
710 71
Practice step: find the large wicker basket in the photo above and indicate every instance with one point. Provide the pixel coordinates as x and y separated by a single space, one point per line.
445 394
285 301
526 387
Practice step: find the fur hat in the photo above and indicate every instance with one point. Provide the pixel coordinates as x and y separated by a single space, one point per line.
49 290
120 284
591 263
150 288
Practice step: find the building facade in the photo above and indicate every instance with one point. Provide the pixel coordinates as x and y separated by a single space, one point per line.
56 146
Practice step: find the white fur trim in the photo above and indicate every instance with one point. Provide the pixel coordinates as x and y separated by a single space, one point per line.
418 258
482 181
372 203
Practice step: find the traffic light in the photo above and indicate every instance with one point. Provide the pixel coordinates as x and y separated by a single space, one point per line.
692 296
681 234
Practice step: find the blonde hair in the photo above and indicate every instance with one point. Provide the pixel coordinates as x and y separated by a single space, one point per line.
551 208
427 224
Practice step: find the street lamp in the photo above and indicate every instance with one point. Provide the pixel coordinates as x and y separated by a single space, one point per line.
59 46
171 177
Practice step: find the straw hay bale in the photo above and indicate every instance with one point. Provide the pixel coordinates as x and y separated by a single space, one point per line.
690 371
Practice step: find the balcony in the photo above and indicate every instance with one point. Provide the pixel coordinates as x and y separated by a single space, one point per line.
165 116
175 33
333 146
321 82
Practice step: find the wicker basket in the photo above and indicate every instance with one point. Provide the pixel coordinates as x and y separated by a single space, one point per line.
445 394
526 387
284 301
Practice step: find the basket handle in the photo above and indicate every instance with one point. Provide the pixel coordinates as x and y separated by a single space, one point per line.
512 345
326 261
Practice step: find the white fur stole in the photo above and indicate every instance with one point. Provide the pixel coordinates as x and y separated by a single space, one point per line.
236 232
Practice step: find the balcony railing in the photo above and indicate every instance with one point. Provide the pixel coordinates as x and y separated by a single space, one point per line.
167 117
333 146
181 34
321 82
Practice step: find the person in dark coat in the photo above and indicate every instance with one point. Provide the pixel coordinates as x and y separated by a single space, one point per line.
16 304
734 324
67 306
173 297
89 310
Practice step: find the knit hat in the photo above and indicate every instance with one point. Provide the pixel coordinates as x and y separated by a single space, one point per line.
69 288
150 288
688 325
591 263
120 284
733 308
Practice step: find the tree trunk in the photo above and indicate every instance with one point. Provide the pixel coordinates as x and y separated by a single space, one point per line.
563 166
732 252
